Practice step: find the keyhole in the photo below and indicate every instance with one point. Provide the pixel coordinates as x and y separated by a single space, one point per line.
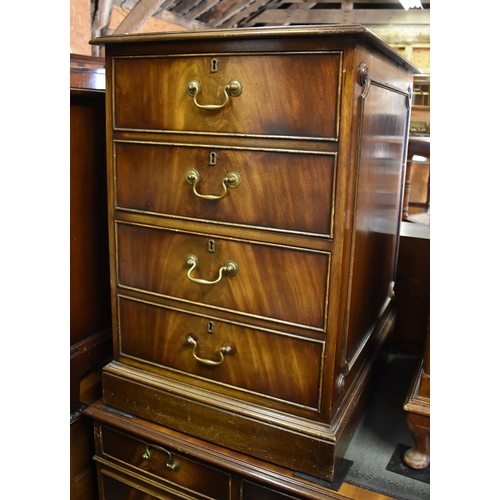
214 65
211 246
210 327
213 158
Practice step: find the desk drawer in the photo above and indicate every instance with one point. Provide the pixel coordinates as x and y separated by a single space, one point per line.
255 361
116 487
287 191
286 95
159 463
280 283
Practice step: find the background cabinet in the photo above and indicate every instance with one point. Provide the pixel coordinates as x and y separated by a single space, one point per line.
90 304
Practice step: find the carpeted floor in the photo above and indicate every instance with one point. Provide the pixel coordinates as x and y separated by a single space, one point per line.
373 460
382 437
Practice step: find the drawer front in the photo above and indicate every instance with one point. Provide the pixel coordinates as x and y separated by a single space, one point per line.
280 283
287 95
157 462
116 487
255 362
286 191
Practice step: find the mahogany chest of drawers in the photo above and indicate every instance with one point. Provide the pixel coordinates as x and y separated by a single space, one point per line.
255 186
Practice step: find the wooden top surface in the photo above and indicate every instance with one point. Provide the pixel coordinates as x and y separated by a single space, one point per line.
340 30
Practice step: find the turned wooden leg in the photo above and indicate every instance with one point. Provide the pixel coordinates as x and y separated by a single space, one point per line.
419 456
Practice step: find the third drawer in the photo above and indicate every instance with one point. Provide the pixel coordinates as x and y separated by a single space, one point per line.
279 283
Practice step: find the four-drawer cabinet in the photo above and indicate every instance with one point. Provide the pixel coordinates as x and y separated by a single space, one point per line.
255 193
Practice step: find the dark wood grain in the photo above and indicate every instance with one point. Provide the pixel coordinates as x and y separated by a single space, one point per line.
90 309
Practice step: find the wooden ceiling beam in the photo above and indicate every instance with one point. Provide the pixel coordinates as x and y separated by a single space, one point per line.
201 8
219 13
232 7
342 16
184 6
183 21
136 18
250 9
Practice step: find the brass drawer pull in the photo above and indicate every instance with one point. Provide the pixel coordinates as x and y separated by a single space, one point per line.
233 89
223 351
170 464
230 268
232 180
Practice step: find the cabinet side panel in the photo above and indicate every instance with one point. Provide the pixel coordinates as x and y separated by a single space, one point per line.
378 208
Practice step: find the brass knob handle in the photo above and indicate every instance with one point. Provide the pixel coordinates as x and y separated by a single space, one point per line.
230 268
232 180
170 464
223 351
233 89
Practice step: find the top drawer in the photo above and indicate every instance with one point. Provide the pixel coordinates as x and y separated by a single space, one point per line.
285 95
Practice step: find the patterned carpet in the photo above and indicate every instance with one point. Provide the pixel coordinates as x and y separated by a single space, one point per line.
382 436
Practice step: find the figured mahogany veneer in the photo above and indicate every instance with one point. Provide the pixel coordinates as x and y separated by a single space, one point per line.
249 368
162 270
255 189
157 100
151 178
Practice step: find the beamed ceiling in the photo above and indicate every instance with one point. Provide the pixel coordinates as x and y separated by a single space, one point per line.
387 18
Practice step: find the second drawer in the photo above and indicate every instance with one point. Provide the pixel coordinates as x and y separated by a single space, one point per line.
277 190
